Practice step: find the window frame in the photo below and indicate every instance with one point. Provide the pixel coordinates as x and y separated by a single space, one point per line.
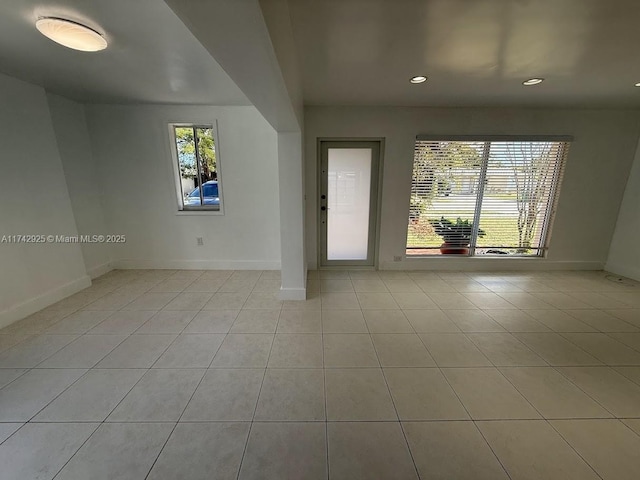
175 161
549 215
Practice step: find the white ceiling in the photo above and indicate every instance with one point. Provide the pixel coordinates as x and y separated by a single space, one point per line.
349 52
152 57
475 52
235 33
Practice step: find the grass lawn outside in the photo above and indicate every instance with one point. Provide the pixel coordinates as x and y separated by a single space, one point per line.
501 233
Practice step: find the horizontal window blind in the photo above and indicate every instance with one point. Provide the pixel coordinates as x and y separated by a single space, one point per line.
485 197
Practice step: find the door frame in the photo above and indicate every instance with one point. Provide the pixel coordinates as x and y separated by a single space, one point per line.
376 200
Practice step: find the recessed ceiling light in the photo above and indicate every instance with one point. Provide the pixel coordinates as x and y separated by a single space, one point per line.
637 84
418 79
71 34
533 81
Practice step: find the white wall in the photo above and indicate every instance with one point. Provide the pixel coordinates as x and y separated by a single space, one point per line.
131 147
84 189
624 255
33 200
598 165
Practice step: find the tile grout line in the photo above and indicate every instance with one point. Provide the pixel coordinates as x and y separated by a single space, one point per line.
519 392
149 369
76 452
395 409
29 369
573 448
74 341
324 389
557 369
176 423
16 431
504 468
104 421
621 420
264 374
584 349
316 422
467 411
608 334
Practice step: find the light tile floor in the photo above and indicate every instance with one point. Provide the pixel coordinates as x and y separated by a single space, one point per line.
163 374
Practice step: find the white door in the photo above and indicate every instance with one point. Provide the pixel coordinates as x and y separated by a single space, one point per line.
348 202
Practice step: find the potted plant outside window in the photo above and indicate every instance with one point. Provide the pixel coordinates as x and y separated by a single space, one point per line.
456 235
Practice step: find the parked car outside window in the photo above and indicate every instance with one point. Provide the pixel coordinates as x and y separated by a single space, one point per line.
210 195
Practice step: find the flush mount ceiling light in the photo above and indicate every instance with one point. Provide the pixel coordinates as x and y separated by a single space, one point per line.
71 34
533 81
418 79
637 84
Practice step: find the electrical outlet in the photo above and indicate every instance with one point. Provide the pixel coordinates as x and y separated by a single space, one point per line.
199 241
397 258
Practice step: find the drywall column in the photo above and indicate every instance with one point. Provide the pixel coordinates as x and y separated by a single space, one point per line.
83 183
293 261
624 258
34 201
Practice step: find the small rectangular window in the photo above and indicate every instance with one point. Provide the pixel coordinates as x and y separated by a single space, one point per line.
484 196
198 181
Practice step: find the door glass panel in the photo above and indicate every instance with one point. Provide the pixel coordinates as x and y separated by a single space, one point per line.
348 199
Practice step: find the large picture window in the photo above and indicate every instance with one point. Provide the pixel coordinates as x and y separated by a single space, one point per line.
486 196
198 181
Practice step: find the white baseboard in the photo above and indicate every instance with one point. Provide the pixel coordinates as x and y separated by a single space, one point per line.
623 270
478 263
488 264
100 270
24 309
128 264
293 294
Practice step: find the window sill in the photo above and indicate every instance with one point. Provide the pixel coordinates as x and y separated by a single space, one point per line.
200 212
476 257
